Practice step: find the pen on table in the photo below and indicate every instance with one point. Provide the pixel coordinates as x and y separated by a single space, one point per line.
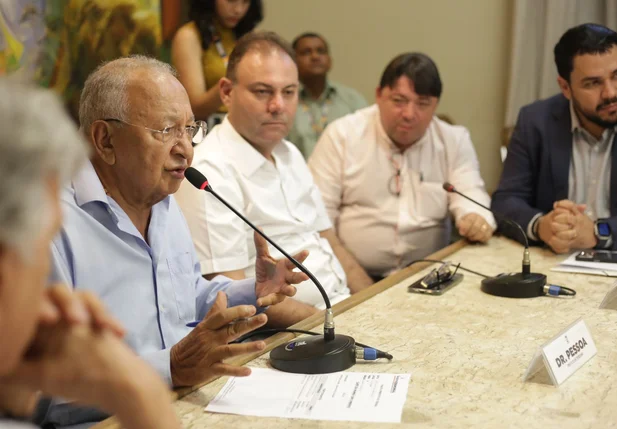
197 322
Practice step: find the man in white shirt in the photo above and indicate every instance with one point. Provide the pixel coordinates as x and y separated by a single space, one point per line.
247 161
381 170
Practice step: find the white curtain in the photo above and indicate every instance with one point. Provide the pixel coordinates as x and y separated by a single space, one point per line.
537 26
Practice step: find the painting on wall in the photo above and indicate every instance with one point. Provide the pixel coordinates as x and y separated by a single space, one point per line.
22 34
59 43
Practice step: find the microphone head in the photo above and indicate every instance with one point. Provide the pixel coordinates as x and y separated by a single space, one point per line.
195 178
449 187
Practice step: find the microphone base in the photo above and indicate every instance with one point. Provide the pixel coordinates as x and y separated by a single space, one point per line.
515 285
314 355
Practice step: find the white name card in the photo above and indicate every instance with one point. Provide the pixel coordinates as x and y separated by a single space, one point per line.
610 300
564 354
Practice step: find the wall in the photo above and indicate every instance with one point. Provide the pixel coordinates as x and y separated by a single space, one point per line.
468 39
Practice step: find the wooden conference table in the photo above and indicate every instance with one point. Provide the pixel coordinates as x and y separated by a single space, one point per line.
466 351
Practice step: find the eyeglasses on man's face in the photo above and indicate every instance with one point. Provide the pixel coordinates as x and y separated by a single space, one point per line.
191 133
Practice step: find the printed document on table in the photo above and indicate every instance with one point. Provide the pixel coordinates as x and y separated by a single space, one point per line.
347 396
571 265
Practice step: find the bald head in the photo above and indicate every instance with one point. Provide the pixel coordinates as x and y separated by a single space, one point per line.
106 93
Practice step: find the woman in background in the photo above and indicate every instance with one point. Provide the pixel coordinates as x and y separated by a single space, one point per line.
201 48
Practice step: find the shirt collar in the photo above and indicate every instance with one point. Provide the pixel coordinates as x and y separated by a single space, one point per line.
331 88
250 160
576 124
383 137
88 186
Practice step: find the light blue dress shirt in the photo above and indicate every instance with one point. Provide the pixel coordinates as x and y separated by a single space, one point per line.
154 289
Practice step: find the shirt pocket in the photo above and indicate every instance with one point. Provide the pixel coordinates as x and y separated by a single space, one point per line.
432 202
181 271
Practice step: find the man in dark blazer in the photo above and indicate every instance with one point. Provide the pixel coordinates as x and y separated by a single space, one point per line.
560 176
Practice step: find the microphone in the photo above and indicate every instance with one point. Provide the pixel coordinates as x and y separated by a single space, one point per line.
513 285
314 355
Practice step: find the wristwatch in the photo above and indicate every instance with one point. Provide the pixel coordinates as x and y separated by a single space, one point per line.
603 233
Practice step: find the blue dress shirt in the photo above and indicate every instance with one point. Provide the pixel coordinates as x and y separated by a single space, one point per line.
154 288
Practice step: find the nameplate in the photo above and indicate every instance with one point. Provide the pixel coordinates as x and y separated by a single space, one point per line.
564 354
610 300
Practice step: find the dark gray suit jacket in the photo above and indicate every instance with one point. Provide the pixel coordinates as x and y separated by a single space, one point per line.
536 170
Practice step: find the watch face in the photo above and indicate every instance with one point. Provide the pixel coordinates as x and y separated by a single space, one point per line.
604 230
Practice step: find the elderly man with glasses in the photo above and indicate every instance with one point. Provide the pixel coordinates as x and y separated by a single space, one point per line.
125 238
53 341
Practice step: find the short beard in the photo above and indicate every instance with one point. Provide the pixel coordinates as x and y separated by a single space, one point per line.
594 118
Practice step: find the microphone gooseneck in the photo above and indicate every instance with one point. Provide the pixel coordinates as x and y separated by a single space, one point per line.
448 187
198 180
515 285
501 218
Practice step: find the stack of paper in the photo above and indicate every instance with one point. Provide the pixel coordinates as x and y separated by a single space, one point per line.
347 396
571 265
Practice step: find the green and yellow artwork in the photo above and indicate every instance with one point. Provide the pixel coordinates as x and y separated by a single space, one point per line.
58 43
22 33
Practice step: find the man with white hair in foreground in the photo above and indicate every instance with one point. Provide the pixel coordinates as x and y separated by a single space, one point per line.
125 239
53 341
